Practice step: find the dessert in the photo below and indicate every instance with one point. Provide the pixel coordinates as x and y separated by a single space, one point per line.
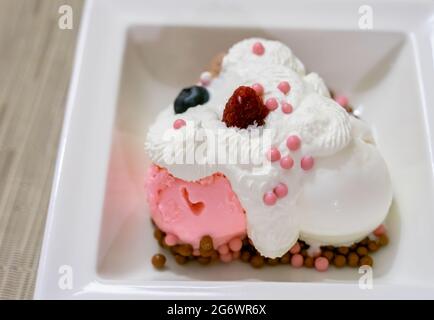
258 162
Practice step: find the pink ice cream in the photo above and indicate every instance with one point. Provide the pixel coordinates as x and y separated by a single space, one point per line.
191 210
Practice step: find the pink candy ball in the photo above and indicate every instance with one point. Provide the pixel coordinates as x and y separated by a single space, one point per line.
205 78
170 239
342 100
295 248
235 244
307 163
281 190
271 104
273 154
259 89
270 198
293 143
284 87
321 264
258 48
381 229
286 162
178 123
297 261
286 107
223 249
226 257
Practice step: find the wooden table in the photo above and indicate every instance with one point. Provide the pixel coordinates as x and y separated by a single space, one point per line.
36 58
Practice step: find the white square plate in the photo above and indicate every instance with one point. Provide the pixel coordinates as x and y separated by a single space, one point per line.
132 59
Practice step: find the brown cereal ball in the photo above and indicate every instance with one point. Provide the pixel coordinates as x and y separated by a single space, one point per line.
366 261
329 255
158 234
304 253
383 240
245 256
257 261
339 261
309 262
372 246
273 261
286 258
343 250
180 259
214 256
364 242
353 259
203 260
158 261
185 250
206 244
362 251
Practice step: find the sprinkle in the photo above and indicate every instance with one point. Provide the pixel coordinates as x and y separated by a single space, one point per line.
235 244
297 260
226 257
293 143
307 163
286 107
284 87
273 154
271 104
178 123
286 162
258 88
321 264
281 190
223 249
270 198
381 229
205 78
258 48
342 100
171 239
295 248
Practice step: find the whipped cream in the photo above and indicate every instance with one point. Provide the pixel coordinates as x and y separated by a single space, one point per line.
342 199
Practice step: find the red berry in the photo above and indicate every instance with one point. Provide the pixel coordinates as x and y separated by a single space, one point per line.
244 108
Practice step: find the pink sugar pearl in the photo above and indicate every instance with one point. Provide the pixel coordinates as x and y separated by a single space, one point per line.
297 260
258 48
271 104
321 264
235 244
293 143
307 163
295 248
284 87
270 198
286 107
226 257
178 123
235 255
259 89
223 249
287 162
170 239
281 190
381 229
273 154
205 78
342 100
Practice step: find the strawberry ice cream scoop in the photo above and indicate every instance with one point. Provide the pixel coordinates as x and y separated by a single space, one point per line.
191 210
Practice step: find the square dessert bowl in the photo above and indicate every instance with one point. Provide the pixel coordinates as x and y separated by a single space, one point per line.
134 57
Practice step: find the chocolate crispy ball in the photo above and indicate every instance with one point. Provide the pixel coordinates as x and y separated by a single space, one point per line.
366 261
339 261
257 261
353 260
158 261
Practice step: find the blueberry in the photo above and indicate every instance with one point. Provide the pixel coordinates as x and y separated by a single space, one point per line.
190 97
